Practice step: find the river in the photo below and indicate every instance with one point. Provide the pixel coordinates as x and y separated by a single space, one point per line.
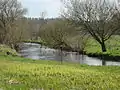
38 52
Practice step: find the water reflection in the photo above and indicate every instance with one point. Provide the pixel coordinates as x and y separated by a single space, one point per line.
36 51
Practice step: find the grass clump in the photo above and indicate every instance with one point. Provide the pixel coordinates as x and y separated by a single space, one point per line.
4 50
24 74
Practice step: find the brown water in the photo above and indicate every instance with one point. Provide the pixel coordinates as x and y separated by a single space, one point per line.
36 51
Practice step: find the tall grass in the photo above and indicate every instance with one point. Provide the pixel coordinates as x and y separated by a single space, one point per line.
26 74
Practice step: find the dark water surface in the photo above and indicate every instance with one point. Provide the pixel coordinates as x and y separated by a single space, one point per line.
36 51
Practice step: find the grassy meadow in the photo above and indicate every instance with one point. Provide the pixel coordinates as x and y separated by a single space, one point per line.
18 73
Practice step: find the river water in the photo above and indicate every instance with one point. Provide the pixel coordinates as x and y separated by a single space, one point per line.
38 52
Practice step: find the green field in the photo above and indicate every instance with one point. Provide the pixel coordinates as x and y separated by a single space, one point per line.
24 74
113 46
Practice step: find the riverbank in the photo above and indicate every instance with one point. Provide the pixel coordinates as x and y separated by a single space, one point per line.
93 49
47 75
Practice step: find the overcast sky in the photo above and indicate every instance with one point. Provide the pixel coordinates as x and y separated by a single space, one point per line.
52 7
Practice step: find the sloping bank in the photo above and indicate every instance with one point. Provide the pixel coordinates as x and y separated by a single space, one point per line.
18 73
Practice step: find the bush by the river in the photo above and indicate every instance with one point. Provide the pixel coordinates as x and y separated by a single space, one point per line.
6 50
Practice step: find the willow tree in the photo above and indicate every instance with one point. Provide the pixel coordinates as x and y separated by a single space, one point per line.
100 18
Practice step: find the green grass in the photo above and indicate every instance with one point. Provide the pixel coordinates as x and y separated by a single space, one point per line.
24 74
113 46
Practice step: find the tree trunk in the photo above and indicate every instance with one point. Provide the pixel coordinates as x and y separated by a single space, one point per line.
61 54
103 46
103 62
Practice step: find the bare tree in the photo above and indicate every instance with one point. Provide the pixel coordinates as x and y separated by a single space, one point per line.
55 33
10 12
21 32
99 18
